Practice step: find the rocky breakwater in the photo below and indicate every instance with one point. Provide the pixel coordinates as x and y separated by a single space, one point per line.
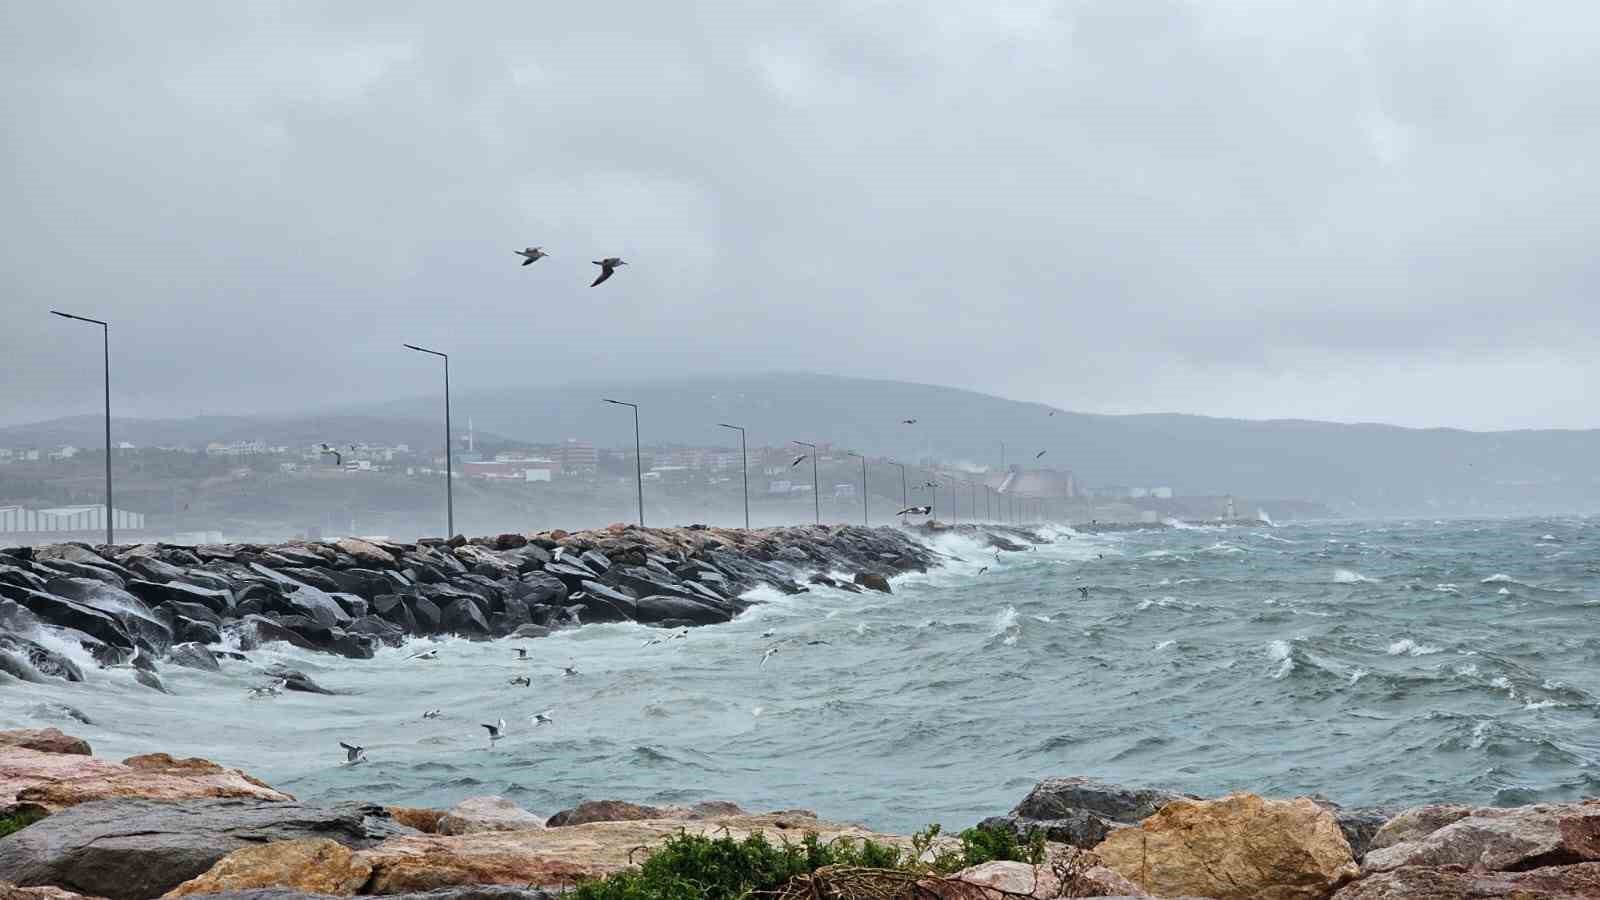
137 605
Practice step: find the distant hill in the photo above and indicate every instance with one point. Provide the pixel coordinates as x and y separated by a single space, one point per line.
1356 469
89 431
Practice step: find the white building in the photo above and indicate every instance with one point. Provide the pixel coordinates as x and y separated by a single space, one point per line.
19 520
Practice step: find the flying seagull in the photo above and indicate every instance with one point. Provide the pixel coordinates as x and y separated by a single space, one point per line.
496 729
269 690
983 570
542 718
559 551
1052 412
523 680
915 511
338 458
522 652
353 755
569 670
767 655
1040 453
798 460
533 254
607 267
431 714
908 421
1084 591
815 643
426 654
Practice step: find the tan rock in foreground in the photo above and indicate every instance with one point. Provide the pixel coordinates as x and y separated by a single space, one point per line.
9 891
53 781
1006 880
562 856
1239 847
1455 883
45 740
476 814
422 819
1490 838
314 865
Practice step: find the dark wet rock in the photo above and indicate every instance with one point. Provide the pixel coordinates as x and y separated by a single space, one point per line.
425 613
595 560
38 659
530 631
150 680
190 630
393 609
193 656
149 568
364 583
1081 811
571 575
148 632
139 849
604 811
17 666
659 607
1359 824
101 573
382 629
354 606
539 588
55 610
320 579
158 595
59 711
464 616
872 581
254 630
296 680
195 611
601 603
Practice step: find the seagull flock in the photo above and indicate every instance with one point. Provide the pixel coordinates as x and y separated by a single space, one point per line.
608 266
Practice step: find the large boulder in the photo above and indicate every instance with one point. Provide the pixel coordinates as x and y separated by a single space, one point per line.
463 616
365 553
1081 812
138 849
540 589
663 607
45 740
1239 847
476 814
193 656
1456 883
603 604
55 610
1490 838
29 660
623 811
872 581
313 865
149 633
1008 880
51 781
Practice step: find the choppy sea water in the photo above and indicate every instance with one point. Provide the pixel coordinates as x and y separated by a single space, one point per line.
1374 663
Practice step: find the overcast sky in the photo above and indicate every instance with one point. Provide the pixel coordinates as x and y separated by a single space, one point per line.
1366 210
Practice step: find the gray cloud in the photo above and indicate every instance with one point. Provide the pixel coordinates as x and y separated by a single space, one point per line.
1374 211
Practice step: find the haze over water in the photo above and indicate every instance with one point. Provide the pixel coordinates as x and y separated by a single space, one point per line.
1389 662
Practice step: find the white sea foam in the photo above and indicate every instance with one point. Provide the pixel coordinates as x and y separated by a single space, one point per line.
1498 578
1447 589
1408 647
1348 576
1005 625
1357 674
1280 653
1480 734
1504 592
1546 703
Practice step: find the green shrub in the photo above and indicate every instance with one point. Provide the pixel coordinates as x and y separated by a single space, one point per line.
18 821
697 867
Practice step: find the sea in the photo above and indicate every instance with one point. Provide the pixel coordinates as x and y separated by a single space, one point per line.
1386 663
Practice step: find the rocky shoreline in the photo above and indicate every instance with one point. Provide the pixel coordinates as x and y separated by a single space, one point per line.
155 826
146 604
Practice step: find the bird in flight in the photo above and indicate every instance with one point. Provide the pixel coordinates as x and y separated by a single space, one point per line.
496 731
338 458
607 267
767 655
431 714
543 718
908 421
1040 453
569 670
532 254
983 570
915 511
1084 591
353 755
522 653
522 680
797 460
426 654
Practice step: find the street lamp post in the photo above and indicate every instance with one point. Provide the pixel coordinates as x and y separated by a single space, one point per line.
816 498
864 519
638 454
105 334
449 488
744 456
905 495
